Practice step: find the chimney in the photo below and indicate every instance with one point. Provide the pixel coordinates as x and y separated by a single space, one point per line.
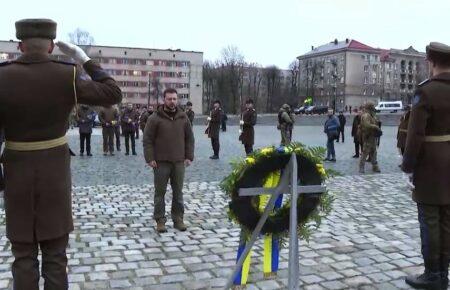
346 40
312 47
335 41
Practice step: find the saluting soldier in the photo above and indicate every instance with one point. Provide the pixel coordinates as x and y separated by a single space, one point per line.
427 157
36 158
248 122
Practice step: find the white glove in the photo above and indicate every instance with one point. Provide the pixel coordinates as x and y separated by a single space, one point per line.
241 122
209 118
73 51
240 131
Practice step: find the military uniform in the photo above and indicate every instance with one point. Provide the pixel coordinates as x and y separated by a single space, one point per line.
213 130
285 124
247 136
191 116
38 184
143 119
85 119
108 117
402 131
427 157
129 119
370 131
356 135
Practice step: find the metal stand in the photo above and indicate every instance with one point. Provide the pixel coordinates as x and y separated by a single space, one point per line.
288 182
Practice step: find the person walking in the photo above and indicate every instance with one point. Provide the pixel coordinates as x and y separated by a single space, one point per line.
331 129
342 122
370 132
38 197
168 142
427 158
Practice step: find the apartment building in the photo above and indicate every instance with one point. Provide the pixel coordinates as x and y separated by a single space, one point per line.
142 73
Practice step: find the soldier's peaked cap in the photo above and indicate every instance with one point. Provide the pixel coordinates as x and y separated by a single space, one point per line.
35 28
438 48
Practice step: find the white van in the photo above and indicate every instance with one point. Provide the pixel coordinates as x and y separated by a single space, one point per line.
389 106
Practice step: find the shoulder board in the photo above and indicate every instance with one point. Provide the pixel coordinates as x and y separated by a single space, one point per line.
5 63
424 83
64 62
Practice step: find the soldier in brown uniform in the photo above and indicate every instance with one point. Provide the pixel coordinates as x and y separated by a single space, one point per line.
213 130
248 121
403 130
36 157
190 113
129 120
427 157
108 117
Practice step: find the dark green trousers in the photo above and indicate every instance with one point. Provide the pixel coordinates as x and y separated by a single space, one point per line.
25 268
435 234
165 172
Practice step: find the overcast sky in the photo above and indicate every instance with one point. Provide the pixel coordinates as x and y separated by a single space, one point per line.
265 31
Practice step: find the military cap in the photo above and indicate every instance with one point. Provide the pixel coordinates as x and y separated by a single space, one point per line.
35 28
439 53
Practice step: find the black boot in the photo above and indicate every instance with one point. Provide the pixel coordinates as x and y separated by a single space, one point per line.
445 261
430 279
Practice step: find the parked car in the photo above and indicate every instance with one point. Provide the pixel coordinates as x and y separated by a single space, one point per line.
392 107
309 110
320 110
301 110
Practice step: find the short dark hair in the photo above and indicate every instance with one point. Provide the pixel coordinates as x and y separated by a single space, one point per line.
169 91
249 101
189 104
217 102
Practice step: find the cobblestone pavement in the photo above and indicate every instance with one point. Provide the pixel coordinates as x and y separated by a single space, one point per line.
121 169
370 241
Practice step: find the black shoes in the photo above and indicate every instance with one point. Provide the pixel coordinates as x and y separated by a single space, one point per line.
214 157
428 280
355 156
89 154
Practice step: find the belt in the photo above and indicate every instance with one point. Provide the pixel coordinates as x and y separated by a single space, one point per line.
35 146
403 130
442 138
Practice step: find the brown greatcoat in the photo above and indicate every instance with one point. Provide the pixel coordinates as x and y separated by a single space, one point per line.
214 124
248 132
402 130
38 200
168 139
430 161
107 116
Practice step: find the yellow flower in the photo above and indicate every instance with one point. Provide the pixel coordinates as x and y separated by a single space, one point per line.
287 149
321 169
250 160
267 150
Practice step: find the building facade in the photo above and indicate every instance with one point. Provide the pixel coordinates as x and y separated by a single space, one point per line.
350 73
142 73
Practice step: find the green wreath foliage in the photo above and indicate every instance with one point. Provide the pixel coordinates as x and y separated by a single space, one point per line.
253 170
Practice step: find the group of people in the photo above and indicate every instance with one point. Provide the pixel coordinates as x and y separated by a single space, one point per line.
125 121
36 158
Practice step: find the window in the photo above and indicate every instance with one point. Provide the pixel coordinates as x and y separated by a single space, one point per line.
137 73
363 56
366 80
366 68
342 80
149 62
364 92
4 56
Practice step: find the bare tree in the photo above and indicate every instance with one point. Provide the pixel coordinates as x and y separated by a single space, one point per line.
156 89
273 82
81 37
233 64
255 77
209 84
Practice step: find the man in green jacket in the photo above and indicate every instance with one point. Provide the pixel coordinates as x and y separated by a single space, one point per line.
168 149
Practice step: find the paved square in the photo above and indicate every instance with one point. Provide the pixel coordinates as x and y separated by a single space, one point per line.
370 241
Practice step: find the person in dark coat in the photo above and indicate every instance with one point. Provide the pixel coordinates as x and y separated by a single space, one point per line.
403 130
248 122
168 149
129 119
108 117
427 158
342 121
356 134
118 129
136 124
36 159
190 113
144 117
85 119
331 128
213 129
224 121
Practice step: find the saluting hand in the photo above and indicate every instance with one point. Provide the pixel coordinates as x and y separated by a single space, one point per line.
153 164
73 51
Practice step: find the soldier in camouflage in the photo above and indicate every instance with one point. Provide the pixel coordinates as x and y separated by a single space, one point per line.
369 131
